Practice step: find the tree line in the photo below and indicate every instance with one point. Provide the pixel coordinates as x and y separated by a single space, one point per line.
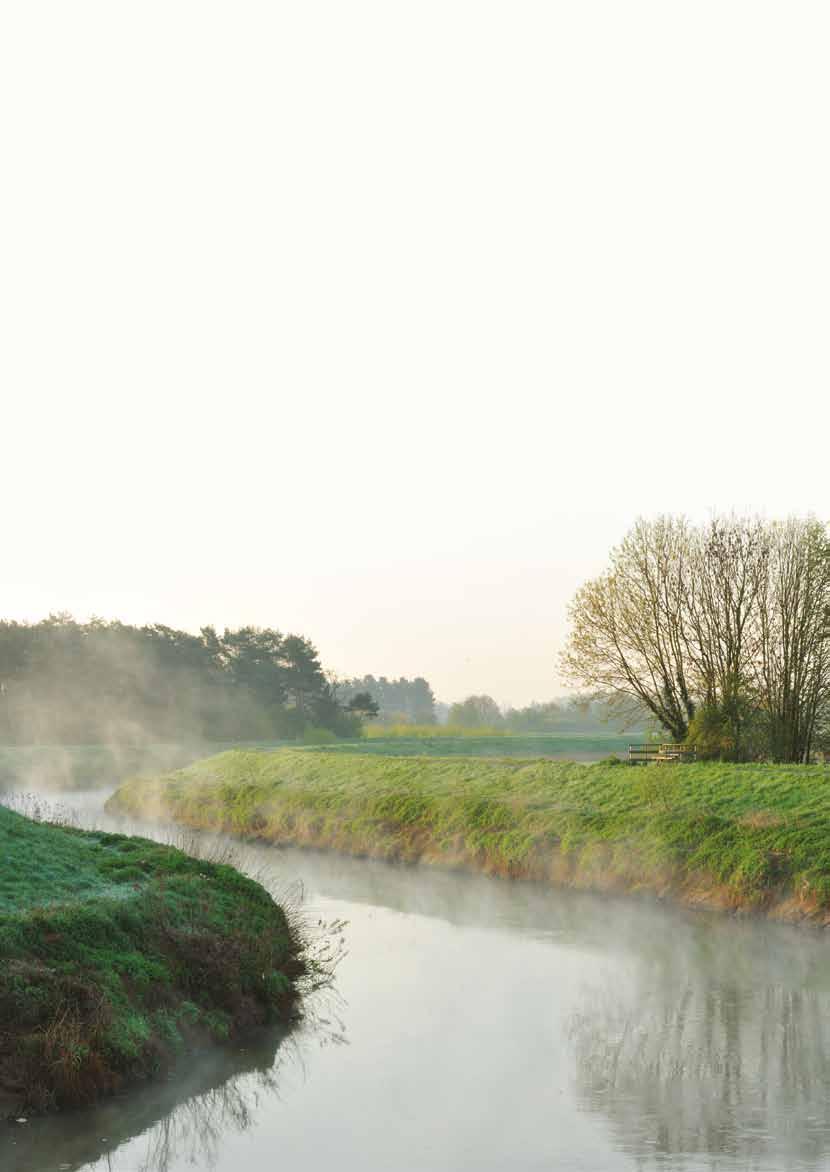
571 714
721 631
399 701
67 682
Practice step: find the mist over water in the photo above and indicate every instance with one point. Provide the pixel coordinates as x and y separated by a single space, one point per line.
479 1023
52 769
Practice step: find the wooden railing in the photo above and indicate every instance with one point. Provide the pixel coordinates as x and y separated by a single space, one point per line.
648 754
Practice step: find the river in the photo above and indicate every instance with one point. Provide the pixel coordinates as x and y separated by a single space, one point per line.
481 1024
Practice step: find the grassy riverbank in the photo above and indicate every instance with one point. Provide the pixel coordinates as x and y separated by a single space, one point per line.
754 837
116 952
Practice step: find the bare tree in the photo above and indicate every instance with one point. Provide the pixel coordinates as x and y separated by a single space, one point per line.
730 620
793 667
729 568
628 634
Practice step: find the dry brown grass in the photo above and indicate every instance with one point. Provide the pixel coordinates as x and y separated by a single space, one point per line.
762 819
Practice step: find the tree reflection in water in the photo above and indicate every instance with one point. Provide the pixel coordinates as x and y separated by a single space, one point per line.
193 1132
693 1050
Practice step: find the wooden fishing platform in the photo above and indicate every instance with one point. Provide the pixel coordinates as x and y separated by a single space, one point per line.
654 754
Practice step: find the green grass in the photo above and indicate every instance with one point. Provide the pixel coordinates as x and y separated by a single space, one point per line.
430 731
114 950
66 768
734 835
426 741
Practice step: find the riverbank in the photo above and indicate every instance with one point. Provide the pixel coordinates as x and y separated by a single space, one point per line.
752 838
117 954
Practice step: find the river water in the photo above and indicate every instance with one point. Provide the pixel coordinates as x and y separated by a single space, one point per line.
481 1024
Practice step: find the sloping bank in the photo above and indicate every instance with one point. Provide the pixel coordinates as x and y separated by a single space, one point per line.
739 837
116 952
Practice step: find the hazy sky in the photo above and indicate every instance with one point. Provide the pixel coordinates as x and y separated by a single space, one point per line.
381 322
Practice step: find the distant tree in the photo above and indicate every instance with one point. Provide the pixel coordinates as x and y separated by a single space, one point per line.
363 705
67 682
422 704
476 712
399 701
535 718
253 660
304 679
442 712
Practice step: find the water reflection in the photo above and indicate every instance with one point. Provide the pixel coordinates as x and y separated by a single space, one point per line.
685 1058
701 1040
182 1121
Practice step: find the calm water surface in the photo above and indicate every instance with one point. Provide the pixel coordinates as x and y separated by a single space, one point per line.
479 1024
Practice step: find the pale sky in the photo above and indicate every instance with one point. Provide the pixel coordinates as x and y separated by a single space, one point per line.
381 322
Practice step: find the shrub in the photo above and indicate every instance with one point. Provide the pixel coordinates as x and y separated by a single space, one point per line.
314 735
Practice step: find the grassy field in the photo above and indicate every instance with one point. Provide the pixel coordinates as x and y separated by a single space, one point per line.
570 747
117 952
429 731
733 836
64 768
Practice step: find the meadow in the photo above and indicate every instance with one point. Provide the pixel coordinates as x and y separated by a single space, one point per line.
447 740
751 837
79 767
116 953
